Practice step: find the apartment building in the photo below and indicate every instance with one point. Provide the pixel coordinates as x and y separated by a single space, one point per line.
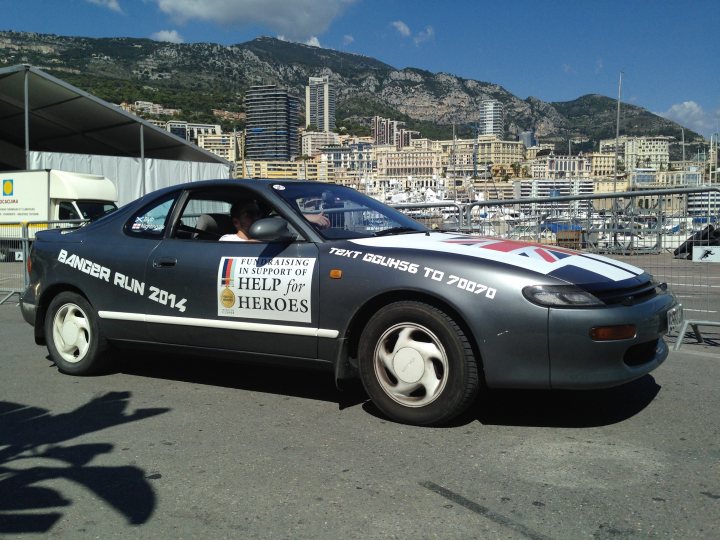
320 170
351 161
191 131
226 145
532 152
609 146
601 164
424 165
314 141
653 179
492 118
271 132
320 104
488 151
562 166
148 107
647 152
392 132
548 188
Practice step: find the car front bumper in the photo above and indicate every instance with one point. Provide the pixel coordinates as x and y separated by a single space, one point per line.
577 361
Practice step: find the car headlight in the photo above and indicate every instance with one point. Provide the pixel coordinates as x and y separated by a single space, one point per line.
560 296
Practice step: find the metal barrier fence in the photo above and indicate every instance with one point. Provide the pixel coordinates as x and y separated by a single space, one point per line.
15 241
13 246
674 234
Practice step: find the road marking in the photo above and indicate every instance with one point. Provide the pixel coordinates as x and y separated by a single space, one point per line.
483 511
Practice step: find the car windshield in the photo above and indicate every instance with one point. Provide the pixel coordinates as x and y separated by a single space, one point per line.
350 213
93 210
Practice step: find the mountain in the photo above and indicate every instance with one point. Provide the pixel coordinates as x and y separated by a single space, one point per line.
199 77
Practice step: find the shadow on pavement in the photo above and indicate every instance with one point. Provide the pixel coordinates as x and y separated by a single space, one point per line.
551 408
565 408
32 451
271 379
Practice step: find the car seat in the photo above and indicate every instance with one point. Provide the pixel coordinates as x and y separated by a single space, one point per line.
213 226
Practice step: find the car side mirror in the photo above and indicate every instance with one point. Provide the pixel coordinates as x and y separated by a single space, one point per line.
272 229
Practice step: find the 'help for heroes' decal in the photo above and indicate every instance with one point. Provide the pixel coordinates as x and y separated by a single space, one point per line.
278 288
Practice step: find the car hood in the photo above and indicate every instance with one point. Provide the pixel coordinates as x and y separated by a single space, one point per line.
560 263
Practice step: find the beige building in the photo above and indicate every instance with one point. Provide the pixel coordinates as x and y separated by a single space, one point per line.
491 151
647 153
422 166
610 185
607 146
562 166
492 191
226 145
289 170
314 141
601 164
651 179
531 153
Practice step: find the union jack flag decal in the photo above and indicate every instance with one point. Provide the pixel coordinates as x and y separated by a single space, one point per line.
524 249
572 266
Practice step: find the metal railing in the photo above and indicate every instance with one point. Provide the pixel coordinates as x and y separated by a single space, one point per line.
670 232
15 242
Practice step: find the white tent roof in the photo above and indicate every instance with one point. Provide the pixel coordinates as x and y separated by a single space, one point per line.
64 119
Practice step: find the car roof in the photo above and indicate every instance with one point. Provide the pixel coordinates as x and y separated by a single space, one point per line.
233 182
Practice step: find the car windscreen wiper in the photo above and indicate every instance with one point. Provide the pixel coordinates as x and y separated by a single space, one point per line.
397 230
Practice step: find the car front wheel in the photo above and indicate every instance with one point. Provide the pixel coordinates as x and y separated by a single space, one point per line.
416 364
73 336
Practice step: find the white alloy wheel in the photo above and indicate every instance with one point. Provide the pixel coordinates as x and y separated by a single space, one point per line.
416 364
71 333
411 364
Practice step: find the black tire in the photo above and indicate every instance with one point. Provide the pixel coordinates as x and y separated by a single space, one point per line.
417 365
73 337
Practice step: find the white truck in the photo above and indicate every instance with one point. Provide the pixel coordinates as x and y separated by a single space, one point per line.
45 199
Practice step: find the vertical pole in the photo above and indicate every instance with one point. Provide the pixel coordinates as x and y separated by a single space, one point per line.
617 133
142 159
617 144
27 117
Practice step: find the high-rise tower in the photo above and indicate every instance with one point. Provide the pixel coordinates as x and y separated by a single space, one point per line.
272 124
320 104
492 118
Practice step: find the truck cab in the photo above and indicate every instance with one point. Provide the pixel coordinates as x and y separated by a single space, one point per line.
48 199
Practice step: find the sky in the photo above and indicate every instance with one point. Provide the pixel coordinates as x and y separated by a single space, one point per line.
554 50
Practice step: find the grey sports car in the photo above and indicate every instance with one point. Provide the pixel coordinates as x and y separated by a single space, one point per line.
424 318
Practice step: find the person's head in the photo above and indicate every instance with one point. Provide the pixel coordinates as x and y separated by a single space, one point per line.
244 213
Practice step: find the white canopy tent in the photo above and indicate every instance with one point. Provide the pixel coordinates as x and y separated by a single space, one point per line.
46 123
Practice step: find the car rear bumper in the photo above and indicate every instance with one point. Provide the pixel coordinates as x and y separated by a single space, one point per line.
28 311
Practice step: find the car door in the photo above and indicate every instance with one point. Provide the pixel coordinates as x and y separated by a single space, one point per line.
236 296
122 299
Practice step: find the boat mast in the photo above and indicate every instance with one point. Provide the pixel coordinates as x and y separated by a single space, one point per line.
617 133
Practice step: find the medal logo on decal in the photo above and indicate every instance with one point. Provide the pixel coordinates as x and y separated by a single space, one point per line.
227 298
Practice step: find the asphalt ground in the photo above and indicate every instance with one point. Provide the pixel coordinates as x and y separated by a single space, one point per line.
184 447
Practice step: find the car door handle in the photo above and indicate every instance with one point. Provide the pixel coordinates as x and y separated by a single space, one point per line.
164 262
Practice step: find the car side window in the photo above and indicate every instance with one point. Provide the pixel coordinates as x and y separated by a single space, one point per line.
205 218
150 221
206 214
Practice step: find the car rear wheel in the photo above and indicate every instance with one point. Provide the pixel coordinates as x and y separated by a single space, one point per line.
416 364
73 336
